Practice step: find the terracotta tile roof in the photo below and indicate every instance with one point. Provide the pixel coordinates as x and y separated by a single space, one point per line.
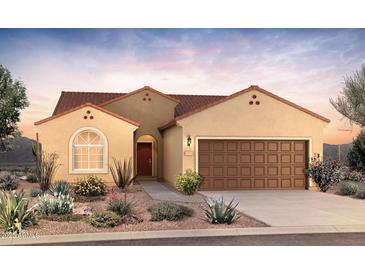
189 103
72 99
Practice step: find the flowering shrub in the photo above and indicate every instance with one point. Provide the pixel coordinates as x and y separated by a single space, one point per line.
188 182
58 205
353 175
325 173
90 186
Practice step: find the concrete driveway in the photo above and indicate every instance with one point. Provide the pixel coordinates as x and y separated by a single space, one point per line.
296 207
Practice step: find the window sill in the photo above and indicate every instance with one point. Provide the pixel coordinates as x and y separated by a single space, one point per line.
89 171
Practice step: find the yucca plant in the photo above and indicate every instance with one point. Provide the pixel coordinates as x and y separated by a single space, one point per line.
61 187
123 174
15 213
46 170
216 212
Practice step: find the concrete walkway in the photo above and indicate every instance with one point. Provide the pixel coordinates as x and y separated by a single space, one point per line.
161 192
296 207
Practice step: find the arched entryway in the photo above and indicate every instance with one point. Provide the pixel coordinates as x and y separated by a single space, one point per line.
146 156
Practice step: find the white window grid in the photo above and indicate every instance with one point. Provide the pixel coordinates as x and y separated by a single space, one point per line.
88 145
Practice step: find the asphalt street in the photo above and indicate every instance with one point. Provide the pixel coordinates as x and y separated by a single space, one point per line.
329 239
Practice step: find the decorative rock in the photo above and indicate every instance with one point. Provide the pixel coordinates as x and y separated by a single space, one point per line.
83 210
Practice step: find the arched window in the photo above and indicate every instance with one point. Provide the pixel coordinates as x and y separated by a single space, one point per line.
88 151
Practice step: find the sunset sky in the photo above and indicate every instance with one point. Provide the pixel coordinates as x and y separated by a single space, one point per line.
305 66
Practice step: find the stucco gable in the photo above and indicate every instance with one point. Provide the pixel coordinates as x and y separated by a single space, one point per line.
87 106
144 89
239 93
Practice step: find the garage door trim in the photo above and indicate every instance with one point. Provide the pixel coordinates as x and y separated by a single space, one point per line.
197 138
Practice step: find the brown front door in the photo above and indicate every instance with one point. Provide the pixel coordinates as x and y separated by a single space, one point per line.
144 159
252 164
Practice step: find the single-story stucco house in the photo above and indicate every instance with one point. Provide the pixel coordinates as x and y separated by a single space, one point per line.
251 139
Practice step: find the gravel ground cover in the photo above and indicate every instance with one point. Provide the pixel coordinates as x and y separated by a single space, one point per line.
141 202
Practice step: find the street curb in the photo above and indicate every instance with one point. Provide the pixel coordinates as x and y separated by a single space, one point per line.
160 234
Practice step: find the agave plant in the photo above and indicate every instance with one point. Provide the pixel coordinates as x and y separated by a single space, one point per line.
216 212
15 213
123 174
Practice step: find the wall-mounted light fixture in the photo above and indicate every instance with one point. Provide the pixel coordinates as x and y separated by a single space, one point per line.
188 141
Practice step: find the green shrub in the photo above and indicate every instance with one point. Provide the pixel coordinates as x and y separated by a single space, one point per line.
361 193
15 213
188 182
35 192
216 212
8 181
90 186
121 207
348 188
61 188
104 219
325 173
356 155
58 205
168 211
32 178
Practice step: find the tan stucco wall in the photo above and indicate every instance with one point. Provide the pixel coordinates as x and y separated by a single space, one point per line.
236 118
55 135
172 164
150 114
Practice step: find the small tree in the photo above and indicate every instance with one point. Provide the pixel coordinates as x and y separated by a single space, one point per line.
325 173
13 99
351 103
356 156
123 174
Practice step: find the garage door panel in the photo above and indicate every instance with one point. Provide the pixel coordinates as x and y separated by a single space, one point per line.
259 146
259 171
259 158
273 183
233 171
218 146
285 183
245 146
272 158
247 164
232 158
245 158
246 171
204 159
259 183
245 183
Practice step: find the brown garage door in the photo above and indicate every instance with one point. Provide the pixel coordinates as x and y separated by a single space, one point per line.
252 164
